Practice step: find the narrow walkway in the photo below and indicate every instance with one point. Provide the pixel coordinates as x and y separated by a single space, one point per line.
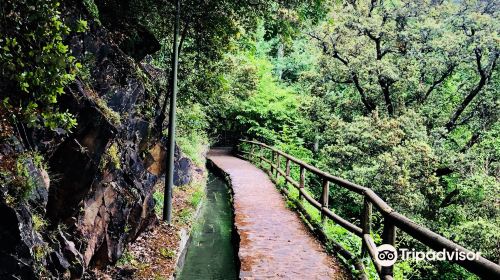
274 241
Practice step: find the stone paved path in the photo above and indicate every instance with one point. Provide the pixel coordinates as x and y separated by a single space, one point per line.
274 243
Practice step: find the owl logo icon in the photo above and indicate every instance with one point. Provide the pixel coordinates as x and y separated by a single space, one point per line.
387 255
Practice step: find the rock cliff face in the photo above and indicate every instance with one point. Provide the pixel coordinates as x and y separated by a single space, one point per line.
93 195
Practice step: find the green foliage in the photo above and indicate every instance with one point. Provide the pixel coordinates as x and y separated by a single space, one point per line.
126 258
194 147
398 96
486 242
191 119
197 197
39 223
40 252
259 105
53 121
81 26
192 137
36 62
25 179
88 61
114 155
158 199
111 156
127 229
110 115
184 216
92 9
166 253
396 54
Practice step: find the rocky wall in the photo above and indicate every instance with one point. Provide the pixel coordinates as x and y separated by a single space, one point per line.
94 193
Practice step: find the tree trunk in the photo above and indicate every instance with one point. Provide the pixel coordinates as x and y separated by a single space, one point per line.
387 97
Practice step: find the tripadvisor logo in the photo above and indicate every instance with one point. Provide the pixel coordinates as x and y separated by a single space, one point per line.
387 255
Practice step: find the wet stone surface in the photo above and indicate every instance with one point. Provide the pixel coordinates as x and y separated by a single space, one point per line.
274 243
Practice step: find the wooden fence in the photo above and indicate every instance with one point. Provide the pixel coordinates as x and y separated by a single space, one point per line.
392 220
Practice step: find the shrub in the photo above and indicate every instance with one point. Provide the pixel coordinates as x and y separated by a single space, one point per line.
36 63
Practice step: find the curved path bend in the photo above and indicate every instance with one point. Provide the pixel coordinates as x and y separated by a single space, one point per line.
274 243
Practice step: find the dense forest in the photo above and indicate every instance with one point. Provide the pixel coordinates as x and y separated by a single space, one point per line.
399 96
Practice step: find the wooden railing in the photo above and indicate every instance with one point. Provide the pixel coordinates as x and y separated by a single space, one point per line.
391 219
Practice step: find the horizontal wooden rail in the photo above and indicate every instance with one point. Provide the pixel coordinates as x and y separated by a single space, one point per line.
392 219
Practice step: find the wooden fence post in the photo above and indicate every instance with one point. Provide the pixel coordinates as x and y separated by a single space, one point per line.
278 166
324 199
366 224
302 180
388 237
287 171
272 161
261 155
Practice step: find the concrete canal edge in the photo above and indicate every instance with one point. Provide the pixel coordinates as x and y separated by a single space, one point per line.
235 237
186 233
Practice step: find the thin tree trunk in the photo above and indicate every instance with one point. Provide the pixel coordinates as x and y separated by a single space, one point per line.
384 85
163 110
383 82
169 176
280 55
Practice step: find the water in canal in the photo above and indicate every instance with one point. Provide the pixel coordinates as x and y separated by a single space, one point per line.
211 254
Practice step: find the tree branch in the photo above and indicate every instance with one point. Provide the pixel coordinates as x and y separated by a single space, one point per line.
443 171
336 55
448 200
437 82
472 141
373 4
376 40
354 77
368 104
484 77
384 83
